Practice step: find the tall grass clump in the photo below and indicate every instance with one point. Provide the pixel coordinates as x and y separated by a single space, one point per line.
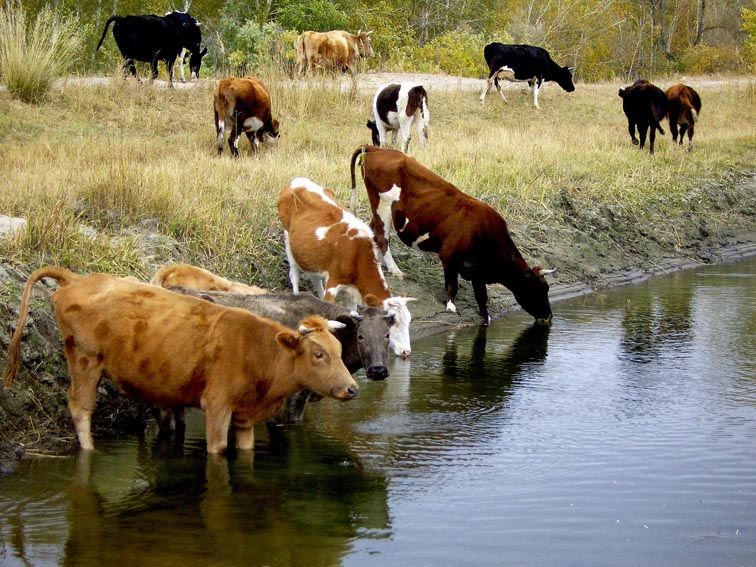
34 53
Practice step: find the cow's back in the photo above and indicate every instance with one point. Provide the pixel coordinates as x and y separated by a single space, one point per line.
156 345
144 37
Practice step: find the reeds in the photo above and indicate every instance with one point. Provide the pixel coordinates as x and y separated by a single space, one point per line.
34 53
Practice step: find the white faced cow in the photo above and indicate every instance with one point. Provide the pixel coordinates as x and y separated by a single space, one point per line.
396 108
156 38
430 214
333 246
523 63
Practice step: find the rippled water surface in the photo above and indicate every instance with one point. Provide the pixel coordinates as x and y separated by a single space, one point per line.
623 435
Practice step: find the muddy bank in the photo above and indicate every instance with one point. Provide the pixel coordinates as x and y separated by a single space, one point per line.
592 245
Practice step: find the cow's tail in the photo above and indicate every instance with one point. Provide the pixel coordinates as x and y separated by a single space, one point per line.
105 31
64 277
224 107
357 154
299 47
658 112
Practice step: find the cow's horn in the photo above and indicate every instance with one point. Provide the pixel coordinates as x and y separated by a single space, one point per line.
335 325
548 272
305 330
356 316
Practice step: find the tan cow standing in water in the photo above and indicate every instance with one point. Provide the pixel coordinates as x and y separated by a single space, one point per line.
172 350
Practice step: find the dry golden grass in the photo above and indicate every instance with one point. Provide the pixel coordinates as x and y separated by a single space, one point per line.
110 157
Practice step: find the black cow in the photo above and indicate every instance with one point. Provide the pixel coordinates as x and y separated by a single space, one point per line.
523 63
645 105
156 38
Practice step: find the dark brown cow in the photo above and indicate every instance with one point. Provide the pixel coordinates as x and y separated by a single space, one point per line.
684 106
172 350
430 214
336 50
245 103
644 105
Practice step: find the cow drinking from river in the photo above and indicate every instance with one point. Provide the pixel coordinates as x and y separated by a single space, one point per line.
172 350
430 214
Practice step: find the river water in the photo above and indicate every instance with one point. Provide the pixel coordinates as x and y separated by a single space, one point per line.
623 435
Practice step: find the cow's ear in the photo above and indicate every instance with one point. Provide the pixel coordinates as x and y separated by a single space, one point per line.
203 52
288 339
347 320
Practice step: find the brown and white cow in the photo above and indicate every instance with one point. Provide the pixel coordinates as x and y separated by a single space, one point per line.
684 105
336 50
194 277
245 104
172 350
430 214
337 249
644 105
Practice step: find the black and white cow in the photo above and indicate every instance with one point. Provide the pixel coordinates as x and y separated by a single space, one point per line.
523 63
156 38
195 61
396 108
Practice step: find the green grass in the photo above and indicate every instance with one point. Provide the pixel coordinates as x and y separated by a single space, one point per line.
112 157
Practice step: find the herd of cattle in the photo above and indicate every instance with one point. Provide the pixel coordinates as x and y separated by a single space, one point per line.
190 338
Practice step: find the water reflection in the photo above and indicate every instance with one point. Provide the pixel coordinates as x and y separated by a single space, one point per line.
657 319
162 503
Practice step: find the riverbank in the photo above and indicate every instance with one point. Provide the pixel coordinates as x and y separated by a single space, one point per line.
121 178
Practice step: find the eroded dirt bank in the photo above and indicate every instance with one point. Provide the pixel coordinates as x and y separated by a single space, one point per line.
592 246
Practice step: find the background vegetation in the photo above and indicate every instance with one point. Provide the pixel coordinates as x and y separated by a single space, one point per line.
603 39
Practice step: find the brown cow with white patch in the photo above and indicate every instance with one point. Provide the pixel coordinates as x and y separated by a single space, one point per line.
194 277
336 50
430 214
330 244
245 103
172 350
684 105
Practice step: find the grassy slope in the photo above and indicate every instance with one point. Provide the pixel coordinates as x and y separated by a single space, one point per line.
111 157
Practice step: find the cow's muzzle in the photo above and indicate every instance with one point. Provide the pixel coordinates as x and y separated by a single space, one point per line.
345 394
544 320
377 372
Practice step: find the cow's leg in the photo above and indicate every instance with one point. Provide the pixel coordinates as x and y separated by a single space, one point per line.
651 138
382 133
452 285
501 91
382 234
129 68
317 284
631 129
244 431
536 89
253 141
690 135
642 131
169 64
294 269
82 393
233 140
217 422
153 70
673 129
406 128
422 130
486 88
481 297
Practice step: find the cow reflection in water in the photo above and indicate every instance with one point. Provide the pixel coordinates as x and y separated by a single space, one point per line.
308 493
493 374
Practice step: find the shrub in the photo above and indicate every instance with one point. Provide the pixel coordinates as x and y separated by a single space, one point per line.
456 53
33 54
706 59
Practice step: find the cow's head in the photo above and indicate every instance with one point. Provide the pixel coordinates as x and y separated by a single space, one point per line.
269 134
564 79
532 294
399 332
317 359
374 130
364 44
195 62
